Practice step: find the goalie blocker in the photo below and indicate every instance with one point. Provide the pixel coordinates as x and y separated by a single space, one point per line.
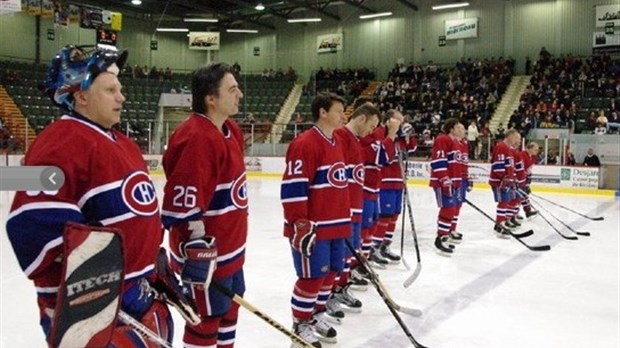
92 289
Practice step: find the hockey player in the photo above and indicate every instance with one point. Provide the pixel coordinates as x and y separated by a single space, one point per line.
317 211
503 182
391 192
466 186
446 176
528 157
362 122
106 184
383 140
206 205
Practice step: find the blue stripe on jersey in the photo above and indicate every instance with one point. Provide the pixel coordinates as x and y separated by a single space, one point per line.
498 166
31 230
439 164
170 218
105 205
293 189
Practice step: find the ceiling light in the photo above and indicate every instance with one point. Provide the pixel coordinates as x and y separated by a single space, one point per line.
136 2
173 30
303 20
454 5
259 6
249 31
375 15
201 20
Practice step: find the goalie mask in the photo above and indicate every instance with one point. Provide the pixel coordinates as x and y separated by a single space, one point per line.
75 68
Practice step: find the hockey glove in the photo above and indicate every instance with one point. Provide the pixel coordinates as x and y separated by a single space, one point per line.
167 286
470 185
446 186
200 261
304 236
507 183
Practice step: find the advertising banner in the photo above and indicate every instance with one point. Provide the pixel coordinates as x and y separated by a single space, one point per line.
329 43
204 40
10 6
461 28
607 14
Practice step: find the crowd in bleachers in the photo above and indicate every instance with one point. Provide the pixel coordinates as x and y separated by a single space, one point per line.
568 91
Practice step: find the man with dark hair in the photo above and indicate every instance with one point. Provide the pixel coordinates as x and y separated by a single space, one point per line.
106 184
362 122
317 210
206 205
446 176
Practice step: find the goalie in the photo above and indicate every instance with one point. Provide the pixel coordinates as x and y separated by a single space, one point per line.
84 275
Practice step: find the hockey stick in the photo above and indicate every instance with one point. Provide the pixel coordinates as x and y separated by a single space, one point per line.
392 306
364 261
402 234
251 308
414 234
516 236
598 218
586 234
143 329
522 194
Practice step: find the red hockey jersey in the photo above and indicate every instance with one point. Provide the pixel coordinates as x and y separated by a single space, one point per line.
354 162
380 151
392 173
502 164
519 167
106 182
445 161
206 180
314 185
464 159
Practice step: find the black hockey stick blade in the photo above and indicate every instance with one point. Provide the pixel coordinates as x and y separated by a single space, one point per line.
585 234
598 218
523 234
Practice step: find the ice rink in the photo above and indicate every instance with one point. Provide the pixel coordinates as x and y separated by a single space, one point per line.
493 293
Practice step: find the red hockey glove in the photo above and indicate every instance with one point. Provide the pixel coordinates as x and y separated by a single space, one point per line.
304 236
507 183
446 186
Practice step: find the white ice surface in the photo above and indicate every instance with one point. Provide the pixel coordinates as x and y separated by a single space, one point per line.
492 293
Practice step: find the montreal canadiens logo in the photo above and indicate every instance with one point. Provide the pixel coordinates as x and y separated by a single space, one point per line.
358 174
139 194
337 175
239 192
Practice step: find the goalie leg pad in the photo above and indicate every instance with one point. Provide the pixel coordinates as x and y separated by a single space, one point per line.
157 319
91 285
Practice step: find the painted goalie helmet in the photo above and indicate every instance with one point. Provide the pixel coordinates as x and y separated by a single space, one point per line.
75 68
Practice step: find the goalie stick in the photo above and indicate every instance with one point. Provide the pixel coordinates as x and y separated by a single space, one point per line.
392 306
251 308
579 233
598 218
516 236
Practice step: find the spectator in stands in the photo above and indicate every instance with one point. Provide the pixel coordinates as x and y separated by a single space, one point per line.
552 158
601 119
1 123
500 132
591 160
291 74
154 73
236 68
600 129
249 118
472 139
528 65
299 119
614 122
570 159
168 73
